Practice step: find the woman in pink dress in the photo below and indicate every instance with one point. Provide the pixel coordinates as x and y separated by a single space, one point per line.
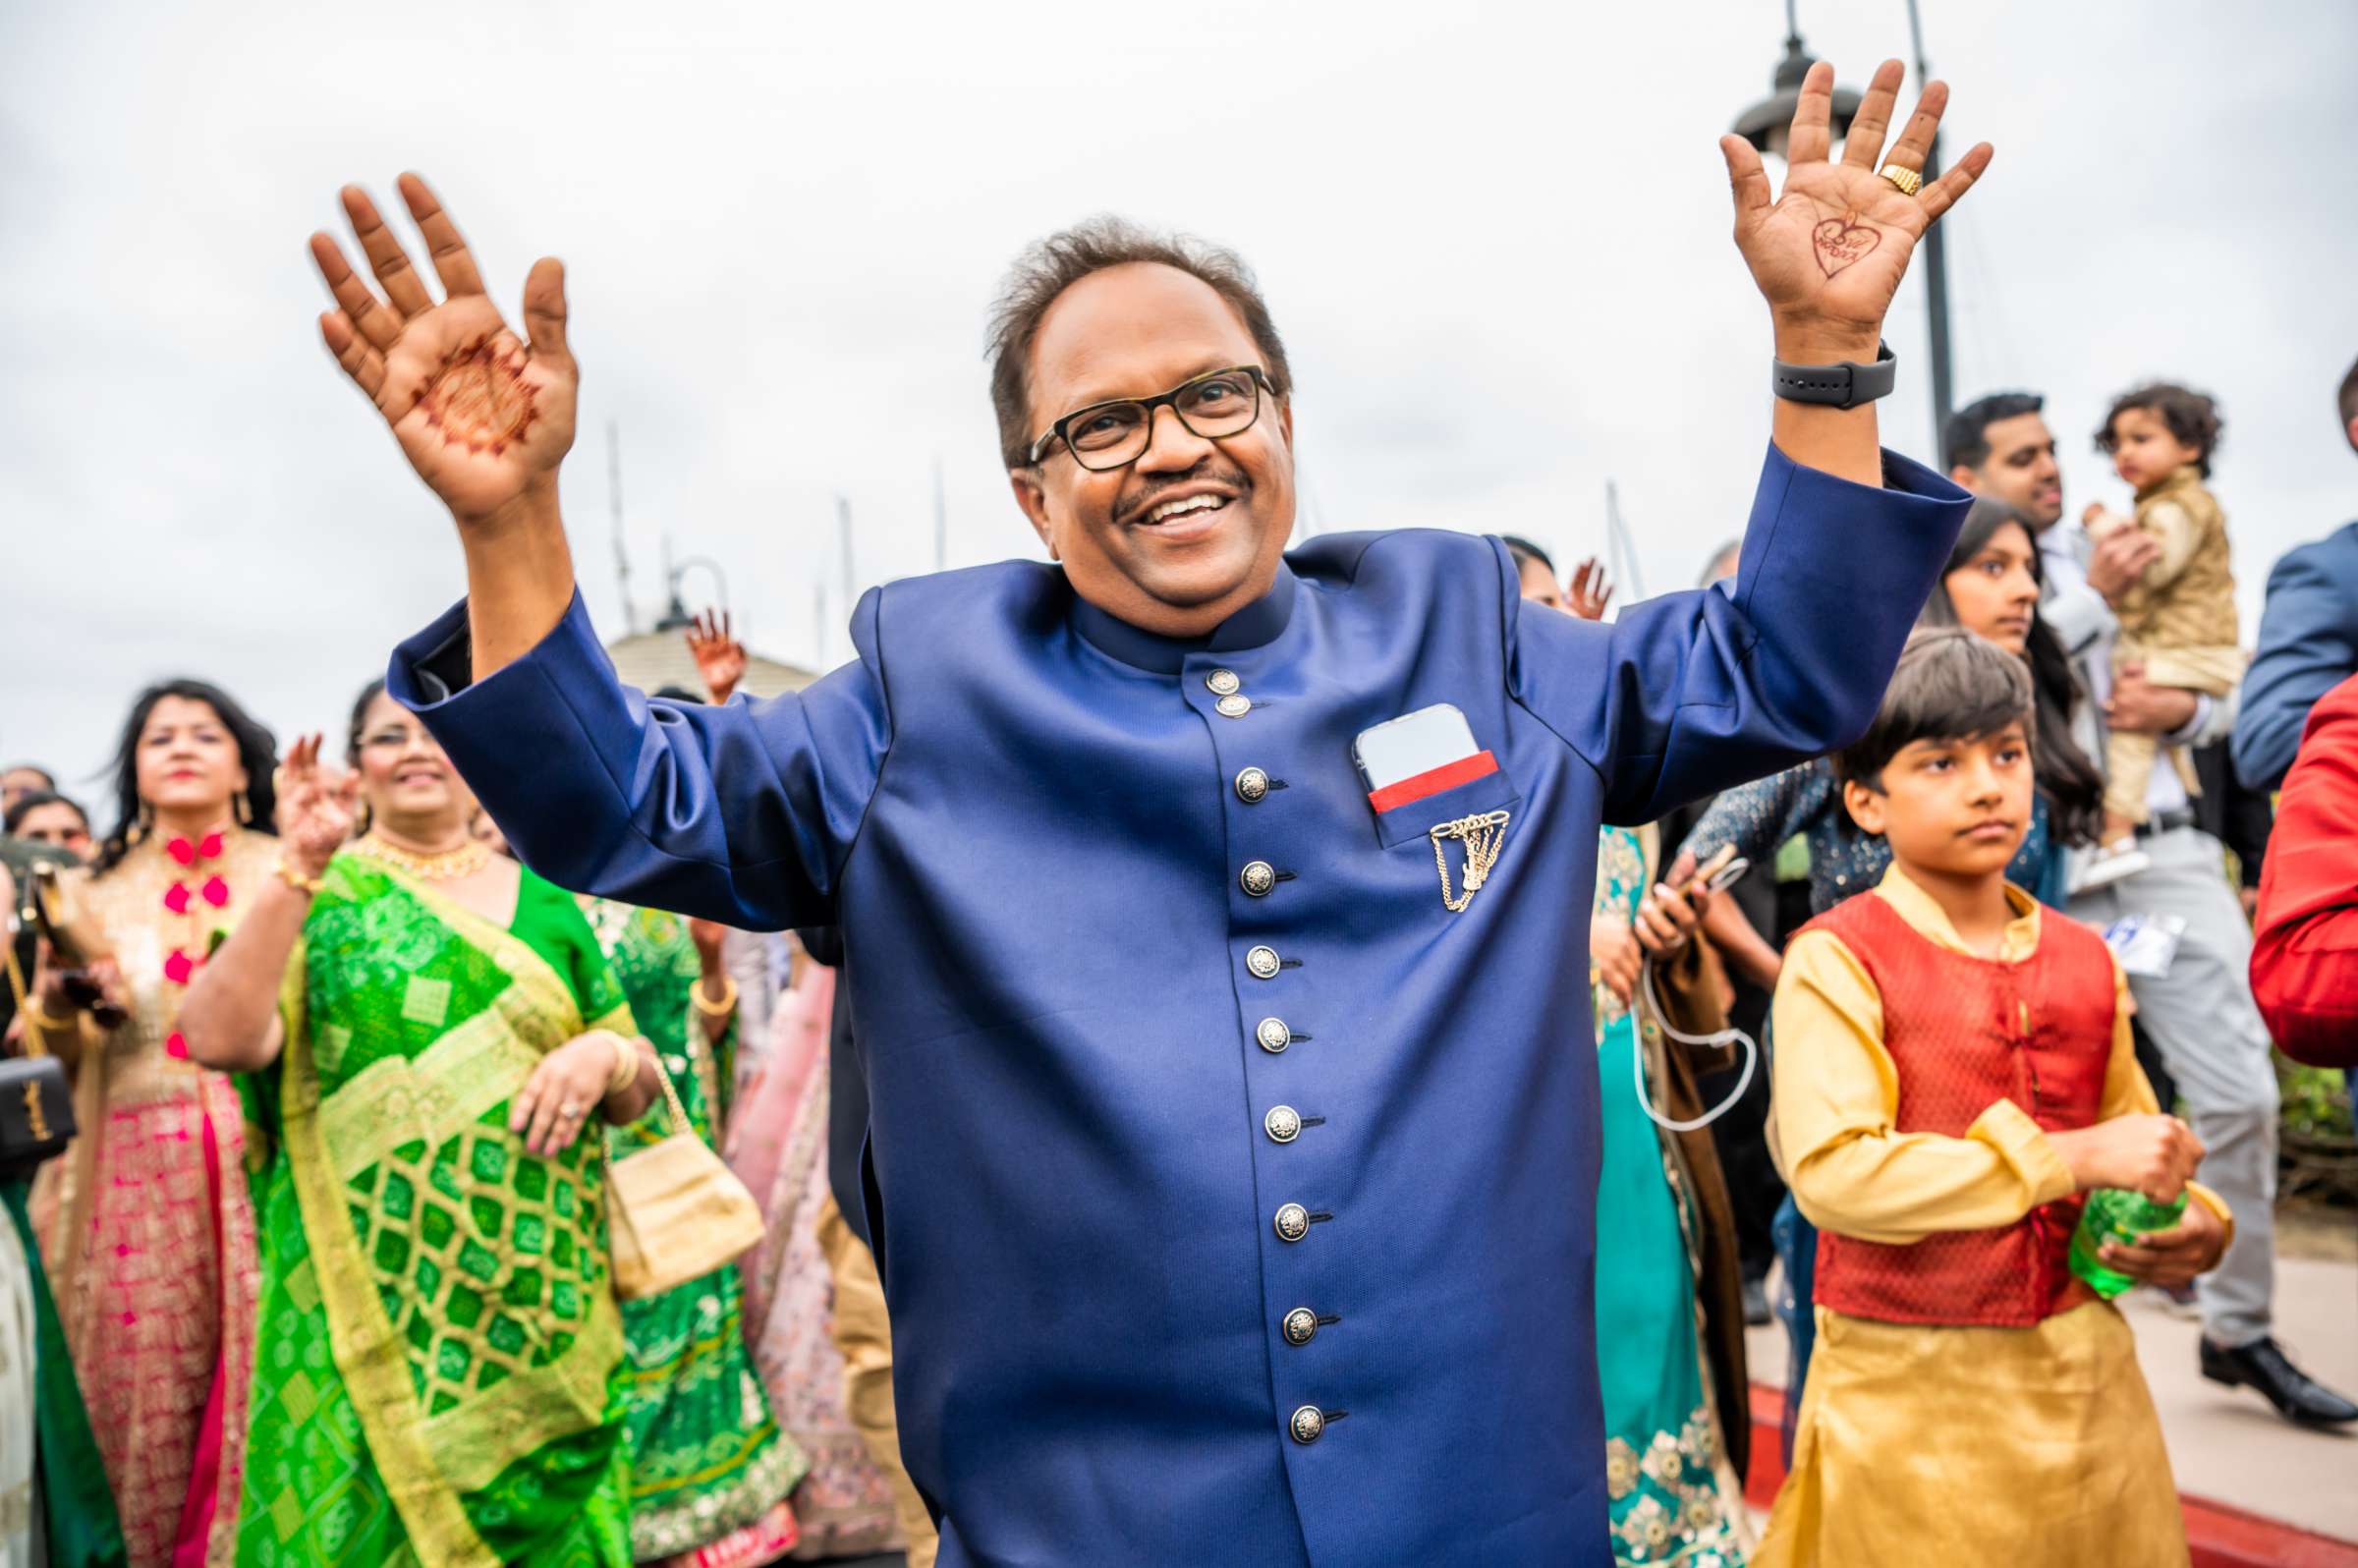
145 1223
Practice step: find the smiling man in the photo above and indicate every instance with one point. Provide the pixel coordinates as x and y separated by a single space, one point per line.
1231 1182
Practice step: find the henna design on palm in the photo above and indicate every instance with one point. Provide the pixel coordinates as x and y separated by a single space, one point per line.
1839 241
477 397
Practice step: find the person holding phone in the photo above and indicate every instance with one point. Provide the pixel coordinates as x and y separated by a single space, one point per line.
1232 1193
1671 1366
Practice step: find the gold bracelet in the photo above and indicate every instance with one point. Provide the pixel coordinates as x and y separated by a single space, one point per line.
721 1009
41 1018
296 879
625 1066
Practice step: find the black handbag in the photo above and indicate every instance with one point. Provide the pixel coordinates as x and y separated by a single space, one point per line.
36 1112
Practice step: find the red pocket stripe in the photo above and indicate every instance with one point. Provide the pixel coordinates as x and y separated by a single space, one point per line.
1434 780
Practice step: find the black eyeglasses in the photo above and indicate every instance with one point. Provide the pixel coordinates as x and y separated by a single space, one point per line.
1107 436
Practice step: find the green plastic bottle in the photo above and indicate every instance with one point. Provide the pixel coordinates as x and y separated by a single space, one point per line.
2115 1215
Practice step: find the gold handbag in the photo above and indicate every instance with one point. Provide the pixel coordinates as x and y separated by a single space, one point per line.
676 1212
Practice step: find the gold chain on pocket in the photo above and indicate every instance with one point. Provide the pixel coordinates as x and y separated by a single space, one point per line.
1485 834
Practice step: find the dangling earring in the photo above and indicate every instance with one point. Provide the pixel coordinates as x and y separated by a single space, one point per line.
139 827
244 810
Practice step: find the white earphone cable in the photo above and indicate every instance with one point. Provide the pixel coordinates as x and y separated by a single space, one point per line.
1720 1040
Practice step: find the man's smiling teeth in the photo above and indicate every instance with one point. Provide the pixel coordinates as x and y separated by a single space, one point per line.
1194 503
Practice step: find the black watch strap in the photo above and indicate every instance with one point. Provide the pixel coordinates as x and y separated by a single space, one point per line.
1844 384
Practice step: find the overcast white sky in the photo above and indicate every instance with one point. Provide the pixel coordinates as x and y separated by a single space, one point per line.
1495 238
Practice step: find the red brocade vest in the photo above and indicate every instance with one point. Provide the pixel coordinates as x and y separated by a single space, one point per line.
1964 1032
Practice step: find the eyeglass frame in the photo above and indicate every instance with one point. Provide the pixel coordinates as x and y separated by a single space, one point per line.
1059 431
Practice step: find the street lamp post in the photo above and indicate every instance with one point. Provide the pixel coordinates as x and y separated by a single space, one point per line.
1767 122
1764 123
1936 262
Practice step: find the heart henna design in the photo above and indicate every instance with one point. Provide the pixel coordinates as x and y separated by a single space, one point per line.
1839 242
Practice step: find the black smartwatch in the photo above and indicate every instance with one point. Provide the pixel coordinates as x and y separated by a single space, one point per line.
1844 384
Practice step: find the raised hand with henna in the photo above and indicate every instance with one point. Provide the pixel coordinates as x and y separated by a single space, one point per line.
484 416
1588 593
1827 251
315 807
719 656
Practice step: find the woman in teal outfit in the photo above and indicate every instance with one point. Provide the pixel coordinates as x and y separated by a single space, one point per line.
1675 1496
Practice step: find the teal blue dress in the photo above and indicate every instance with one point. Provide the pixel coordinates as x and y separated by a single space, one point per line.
1672 1498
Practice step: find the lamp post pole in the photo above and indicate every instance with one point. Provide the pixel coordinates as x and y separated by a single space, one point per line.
1935 263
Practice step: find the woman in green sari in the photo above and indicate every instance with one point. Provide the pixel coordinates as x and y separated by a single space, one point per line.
709 1468
424 1029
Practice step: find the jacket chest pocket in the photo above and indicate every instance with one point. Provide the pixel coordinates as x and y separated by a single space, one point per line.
1412 821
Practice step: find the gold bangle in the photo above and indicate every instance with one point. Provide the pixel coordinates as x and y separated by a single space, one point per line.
47 1023
625 1066
296 879
721 1009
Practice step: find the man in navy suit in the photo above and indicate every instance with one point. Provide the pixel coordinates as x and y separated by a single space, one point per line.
2308 637
1232 1183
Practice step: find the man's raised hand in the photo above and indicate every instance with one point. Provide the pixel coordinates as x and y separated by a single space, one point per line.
1829 250
484 416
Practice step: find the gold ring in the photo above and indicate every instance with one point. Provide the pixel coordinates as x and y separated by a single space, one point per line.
1908 179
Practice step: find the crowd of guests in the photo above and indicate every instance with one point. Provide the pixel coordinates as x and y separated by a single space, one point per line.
331 1259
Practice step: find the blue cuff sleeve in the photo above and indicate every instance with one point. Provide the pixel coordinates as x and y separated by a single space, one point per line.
742 814
1693 693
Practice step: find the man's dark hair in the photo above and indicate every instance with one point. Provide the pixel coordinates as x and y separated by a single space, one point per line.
2072 784
1054 264
2192 417
1522 550
1965 439
2347 398
1950 686
30 800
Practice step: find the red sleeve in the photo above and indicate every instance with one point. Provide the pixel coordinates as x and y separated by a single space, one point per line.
2305 956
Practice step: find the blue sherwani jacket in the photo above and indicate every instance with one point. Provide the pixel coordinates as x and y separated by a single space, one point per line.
1077 1018
2308 645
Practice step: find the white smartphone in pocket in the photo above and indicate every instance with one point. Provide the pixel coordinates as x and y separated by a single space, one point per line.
1412 744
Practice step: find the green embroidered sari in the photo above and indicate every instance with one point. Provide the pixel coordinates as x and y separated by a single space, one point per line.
708 1458
434 1377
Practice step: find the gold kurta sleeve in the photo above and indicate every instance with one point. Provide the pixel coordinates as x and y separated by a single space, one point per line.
1837 1095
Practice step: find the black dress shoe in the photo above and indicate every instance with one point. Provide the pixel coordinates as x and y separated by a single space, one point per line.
1756 1301
2262 1365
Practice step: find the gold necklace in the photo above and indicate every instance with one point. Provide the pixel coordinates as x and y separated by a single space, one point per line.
470 857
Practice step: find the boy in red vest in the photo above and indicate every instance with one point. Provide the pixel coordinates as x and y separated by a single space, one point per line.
1954 1070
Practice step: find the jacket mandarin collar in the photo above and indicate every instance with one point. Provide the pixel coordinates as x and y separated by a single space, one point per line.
1257 624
